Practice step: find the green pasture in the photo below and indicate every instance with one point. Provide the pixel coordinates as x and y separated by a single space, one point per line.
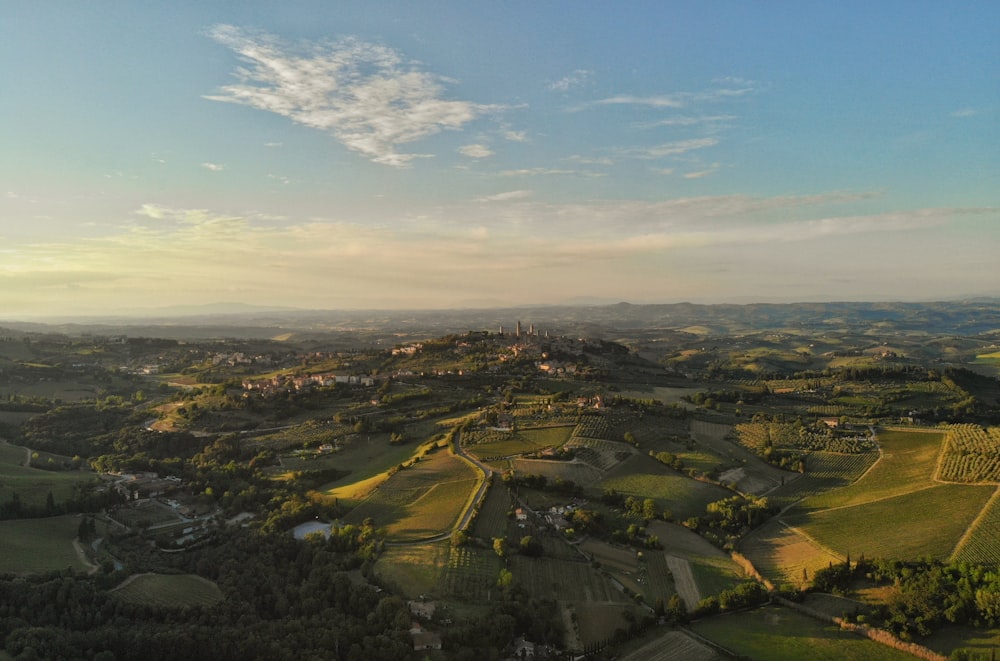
929 522
422 500
33 485
169 590
980 642
714 571
908 463
644 477
576 472
493 520
39 545
366 462
414 570
781 634
505 444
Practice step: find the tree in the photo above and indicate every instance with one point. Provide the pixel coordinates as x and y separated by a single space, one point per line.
500 546
531 547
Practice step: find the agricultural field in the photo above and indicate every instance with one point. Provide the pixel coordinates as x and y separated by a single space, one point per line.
367 463
643 476
599 453
598 622
422 500
39 545
784 555
564 580
929 522
33 485
648 575
493 519
169 590
471 574
713 570
674 645
980 543
824 471
575 471
971 454
489 444
908 463
781 634
414 570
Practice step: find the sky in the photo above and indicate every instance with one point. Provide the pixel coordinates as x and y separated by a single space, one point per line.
459 154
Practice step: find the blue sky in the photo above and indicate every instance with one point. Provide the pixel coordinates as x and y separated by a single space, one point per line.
473 154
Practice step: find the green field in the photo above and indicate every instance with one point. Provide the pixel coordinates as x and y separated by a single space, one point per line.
908 463
33 485
169 590
980 543
420 501
780 634
414 570
929 522
643 476
39 545
488 444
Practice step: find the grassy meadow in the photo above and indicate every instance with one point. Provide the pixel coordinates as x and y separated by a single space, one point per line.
33 485
39 545
781 634
929 522
644 477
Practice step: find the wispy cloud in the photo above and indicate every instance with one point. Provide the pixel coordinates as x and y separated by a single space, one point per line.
699 174
536 171
669 148
516 136
576 79
505 197
966 112
691 120
650 101
214 167
198 254
475 151
367 96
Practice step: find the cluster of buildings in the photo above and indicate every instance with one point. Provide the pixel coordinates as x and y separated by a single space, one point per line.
283 383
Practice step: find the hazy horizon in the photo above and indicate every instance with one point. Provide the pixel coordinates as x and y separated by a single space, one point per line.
452 156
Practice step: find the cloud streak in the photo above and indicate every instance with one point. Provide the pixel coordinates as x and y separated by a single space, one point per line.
367 96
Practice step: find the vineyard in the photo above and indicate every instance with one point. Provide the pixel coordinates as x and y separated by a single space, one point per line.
980 544
824 471
929 522
471 574
601 454
761 435
971 454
